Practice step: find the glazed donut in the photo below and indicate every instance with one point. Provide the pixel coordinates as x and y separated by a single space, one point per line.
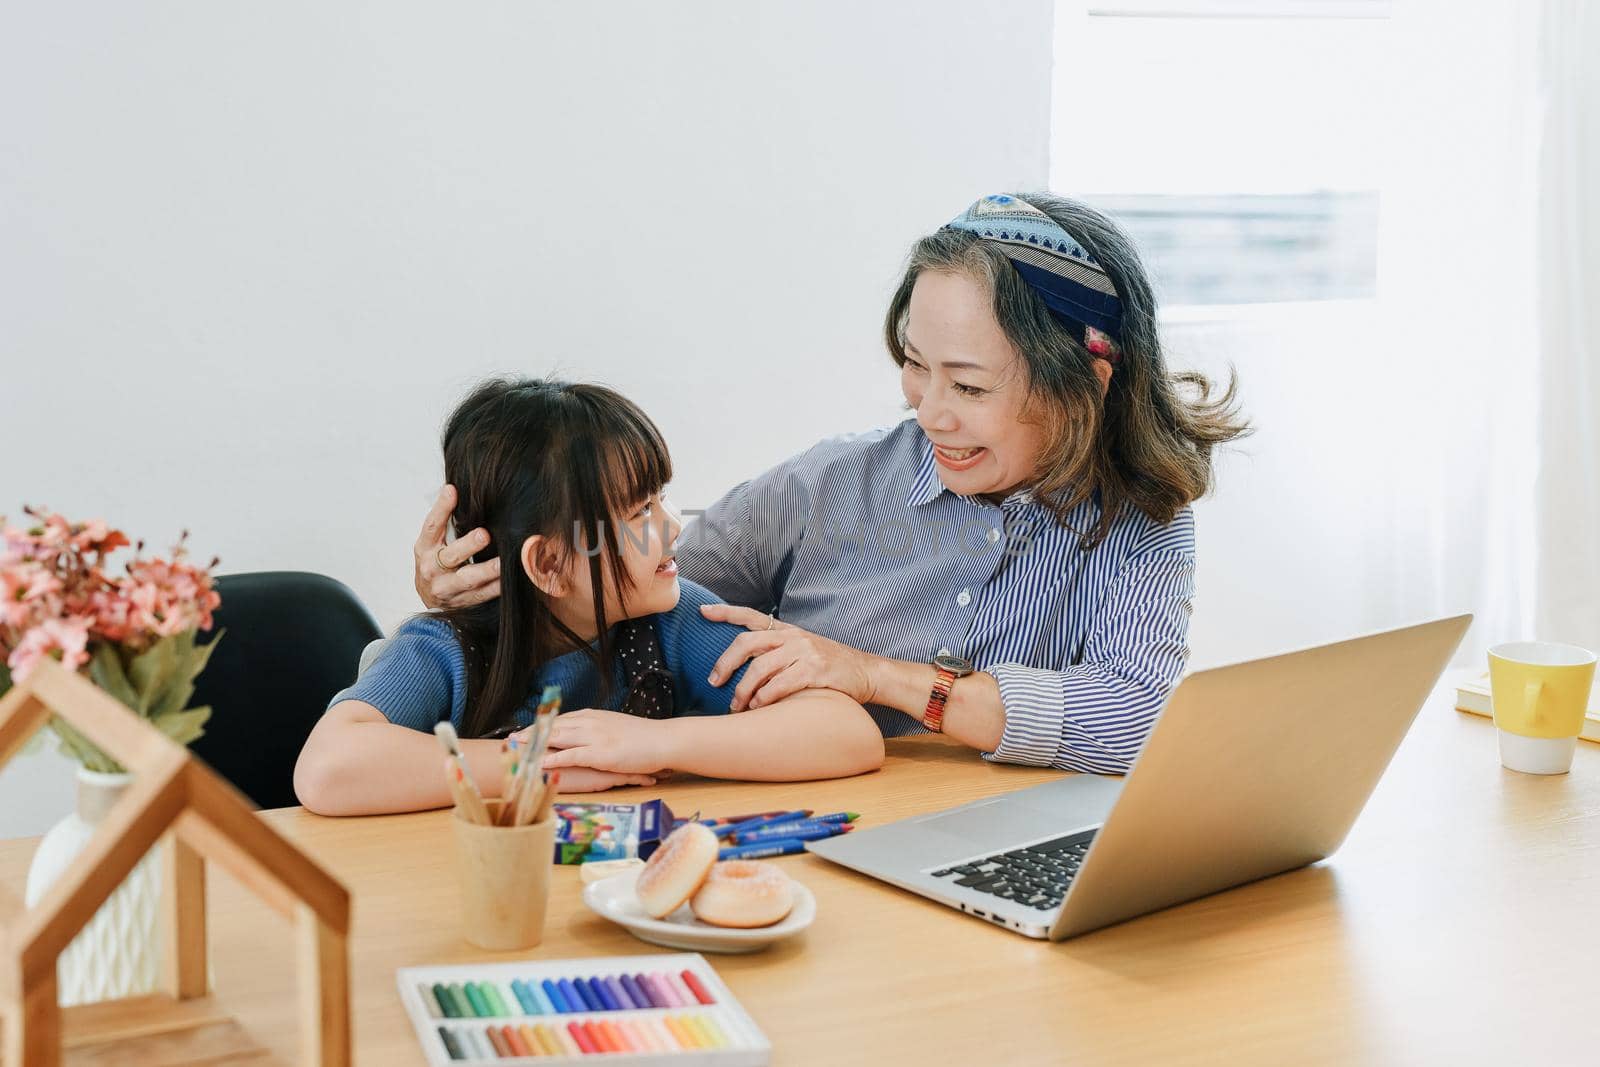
744 893
676 869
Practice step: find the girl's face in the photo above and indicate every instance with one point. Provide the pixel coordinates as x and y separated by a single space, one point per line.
968 388
647 536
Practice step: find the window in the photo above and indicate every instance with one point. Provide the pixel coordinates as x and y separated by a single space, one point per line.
1245 154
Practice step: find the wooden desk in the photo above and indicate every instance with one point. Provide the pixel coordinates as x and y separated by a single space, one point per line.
1455 924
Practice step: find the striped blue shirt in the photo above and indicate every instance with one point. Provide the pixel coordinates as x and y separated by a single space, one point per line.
420 676
857 539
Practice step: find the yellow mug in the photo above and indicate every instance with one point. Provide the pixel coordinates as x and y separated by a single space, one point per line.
1540 693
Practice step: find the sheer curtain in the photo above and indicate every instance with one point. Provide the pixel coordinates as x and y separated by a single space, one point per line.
1567 594
1432 450
1457 365
1490 296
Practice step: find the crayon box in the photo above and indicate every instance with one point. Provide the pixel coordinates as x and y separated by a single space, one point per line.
593 832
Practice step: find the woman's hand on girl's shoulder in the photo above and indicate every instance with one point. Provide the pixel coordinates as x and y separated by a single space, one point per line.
785 660
607 741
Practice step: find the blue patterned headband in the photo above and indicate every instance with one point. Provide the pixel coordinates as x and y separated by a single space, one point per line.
1067 278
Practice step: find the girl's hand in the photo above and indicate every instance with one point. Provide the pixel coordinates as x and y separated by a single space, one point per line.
452 585
785 659
608 741
589 780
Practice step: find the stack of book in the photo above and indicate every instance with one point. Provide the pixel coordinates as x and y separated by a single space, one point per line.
1472 694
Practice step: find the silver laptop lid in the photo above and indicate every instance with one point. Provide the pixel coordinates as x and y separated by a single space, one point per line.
1256 768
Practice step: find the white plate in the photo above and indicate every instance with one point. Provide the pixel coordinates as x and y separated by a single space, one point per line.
614 898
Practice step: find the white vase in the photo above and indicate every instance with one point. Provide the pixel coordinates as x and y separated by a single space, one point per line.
118 954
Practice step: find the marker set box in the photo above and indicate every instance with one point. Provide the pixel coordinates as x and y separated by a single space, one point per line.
658 1009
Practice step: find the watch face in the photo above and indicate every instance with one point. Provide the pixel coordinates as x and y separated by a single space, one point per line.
954 664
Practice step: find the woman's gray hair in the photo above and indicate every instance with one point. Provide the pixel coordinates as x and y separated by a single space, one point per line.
1145 443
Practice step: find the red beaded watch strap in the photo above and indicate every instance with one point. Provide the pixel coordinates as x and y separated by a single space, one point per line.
933 714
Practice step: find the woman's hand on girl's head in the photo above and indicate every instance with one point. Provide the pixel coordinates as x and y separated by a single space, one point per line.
607 741
452 585
785 660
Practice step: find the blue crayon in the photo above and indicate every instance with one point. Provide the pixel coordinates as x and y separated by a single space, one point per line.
569 990
837 816
760 820
557 997
603 995
785 846
590 996
800 831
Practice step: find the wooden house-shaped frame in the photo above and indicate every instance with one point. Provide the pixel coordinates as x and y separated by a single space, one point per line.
175 795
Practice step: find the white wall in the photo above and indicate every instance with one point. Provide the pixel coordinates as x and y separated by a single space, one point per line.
251 254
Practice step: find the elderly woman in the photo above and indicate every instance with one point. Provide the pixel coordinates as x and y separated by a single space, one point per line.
1014 566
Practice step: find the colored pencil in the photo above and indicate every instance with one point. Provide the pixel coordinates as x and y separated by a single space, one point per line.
547 800
471 798
528 801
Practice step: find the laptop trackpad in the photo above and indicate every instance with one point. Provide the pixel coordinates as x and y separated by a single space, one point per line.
978 824
1051 810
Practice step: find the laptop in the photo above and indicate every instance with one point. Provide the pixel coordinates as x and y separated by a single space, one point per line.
1251 770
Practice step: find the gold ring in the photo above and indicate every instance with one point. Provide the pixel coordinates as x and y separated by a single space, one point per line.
438 557
772 620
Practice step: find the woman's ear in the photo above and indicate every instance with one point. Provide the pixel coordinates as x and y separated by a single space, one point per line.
541 562
1102 370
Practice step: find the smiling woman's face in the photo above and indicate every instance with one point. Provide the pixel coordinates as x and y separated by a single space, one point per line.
968 388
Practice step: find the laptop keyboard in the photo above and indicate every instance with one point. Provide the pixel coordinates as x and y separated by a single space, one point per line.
1036 876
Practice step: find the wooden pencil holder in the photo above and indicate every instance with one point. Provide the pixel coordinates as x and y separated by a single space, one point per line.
505 880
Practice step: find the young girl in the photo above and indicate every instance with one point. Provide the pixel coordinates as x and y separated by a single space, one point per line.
568 481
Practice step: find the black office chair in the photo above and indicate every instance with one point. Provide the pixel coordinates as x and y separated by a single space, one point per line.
293 640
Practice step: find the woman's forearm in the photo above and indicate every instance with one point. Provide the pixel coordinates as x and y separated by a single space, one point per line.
973 714
356 762
810 735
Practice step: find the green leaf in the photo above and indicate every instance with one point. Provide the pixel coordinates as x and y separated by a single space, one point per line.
150 670
192 660
105 670
183 727
81 748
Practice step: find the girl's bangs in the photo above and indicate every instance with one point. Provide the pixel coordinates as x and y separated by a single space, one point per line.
635 464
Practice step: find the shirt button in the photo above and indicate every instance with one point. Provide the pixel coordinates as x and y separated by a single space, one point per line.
994 535
944 652
964 598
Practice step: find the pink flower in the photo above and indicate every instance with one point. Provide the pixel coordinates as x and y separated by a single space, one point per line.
14 607
111 615
96 536
53 531
15 545
53 575
65 640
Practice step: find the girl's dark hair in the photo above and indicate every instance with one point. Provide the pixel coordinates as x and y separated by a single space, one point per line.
1145 444
538 456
